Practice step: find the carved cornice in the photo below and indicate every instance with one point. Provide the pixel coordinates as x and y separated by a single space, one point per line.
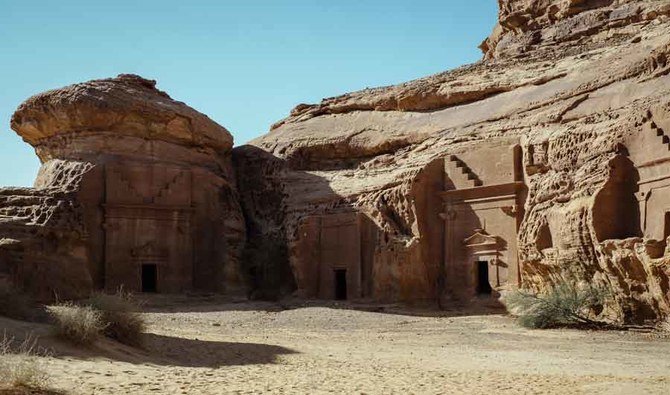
488 191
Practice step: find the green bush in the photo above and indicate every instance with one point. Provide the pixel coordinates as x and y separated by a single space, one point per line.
561 305
120 314
21 366
78 324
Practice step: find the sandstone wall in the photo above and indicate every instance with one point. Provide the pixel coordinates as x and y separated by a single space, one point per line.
574 92
546 162
41 243
150 179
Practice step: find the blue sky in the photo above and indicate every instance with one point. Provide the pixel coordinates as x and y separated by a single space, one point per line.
244 63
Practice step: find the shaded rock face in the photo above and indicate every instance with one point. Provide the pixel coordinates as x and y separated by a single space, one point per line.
546 162
142 187
42 245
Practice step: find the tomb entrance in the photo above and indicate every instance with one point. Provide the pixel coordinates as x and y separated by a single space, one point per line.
332 258
148 243
483 282
649 153
483 207
340 284
149 277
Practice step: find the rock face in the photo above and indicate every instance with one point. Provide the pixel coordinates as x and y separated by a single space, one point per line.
42 244
135 190
547 161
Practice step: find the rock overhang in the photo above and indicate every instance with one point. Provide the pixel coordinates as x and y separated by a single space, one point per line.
127 105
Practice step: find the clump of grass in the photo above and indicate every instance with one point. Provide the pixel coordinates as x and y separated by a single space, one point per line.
115 316
120 314
562 305
21 366
81 325
14 303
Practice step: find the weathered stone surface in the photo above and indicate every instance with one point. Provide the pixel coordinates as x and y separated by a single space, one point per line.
42 242
531 25
545 162
127 105
150 187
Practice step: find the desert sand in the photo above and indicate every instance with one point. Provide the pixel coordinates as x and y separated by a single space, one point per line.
210 346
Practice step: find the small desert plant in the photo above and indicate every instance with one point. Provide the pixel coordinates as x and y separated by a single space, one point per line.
78 324
665 325
120 314
14 303
20 364
562 305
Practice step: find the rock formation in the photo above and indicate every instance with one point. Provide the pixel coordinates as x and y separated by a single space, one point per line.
135 190
547 161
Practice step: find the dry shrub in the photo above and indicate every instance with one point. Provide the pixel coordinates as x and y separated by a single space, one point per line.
21 365
14 303
121 316
665 325
562 305
78 324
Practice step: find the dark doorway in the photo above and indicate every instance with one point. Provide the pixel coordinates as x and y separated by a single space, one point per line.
666 230
483 285
149 278
340 284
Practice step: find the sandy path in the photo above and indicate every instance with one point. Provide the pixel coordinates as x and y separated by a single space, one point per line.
255 348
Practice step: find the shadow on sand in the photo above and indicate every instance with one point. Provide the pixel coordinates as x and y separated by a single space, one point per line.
29 391
202 304
161 303
176 351
156 349
200 353
475 307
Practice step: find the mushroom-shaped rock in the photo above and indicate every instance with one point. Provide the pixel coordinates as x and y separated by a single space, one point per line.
126 105
141 179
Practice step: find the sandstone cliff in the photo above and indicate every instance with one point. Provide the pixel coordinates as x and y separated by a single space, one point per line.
547 161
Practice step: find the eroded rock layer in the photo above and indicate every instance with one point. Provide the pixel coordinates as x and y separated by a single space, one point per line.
548 161
149 186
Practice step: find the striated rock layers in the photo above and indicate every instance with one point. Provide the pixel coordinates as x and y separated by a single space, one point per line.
547 161
135 190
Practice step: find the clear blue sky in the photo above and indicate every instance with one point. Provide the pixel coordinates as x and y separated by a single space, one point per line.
245 63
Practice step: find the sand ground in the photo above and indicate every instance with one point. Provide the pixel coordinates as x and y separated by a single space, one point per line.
219 347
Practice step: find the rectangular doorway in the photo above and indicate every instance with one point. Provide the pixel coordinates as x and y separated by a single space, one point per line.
149 278
483 284
666 226
340 284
